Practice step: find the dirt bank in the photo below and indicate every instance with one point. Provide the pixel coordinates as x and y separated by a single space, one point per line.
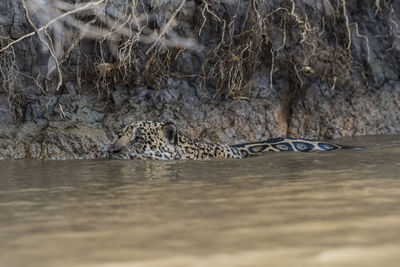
225 71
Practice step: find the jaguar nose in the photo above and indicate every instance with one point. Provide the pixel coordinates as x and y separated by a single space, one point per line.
114 149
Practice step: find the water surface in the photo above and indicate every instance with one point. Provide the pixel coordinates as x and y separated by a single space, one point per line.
280 209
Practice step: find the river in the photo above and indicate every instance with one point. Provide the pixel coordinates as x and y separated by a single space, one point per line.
337 208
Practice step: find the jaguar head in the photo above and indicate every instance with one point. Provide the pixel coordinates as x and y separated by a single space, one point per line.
146 140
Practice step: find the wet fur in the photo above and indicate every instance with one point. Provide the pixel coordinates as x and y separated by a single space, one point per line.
153 140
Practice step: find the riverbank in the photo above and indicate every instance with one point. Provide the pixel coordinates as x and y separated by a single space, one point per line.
224 72
83 127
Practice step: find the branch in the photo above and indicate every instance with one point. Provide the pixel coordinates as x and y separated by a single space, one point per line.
166 27
87 6
50 48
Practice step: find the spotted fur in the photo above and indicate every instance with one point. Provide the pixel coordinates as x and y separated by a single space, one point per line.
153 140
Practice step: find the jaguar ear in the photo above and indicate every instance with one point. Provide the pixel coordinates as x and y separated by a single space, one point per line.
170 132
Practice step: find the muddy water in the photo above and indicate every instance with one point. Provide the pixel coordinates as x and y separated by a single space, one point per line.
280 209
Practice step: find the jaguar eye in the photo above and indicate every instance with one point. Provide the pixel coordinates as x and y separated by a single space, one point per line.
137 139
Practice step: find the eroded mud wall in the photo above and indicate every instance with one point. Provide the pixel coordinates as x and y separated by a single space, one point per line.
224 71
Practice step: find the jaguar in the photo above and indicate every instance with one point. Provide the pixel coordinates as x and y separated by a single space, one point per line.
154 140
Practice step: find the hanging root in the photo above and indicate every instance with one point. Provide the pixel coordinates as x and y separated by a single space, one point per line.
142 42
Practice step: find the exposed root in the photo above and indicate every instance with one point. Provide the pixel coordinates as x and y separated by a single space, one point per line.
10 83
49 45
347 24
45 27
166 27
144 41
